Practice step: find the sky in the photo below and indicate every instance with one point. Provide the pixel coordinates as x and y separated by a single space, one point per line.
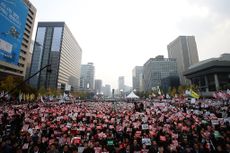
117 35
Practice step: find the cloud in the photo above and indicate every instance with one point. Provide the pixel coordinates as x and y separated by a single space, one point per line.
117 35
209 21
217 7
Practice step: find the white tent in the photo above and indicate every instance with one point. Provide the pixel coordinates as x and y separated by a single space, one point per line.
132 95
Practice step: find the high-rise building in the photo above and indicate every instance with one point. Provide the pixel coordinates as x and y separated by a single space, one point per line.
121 83
28 60
87 76
56 46
138 78
98 86
156 69
17 21
184 50
28 65
107 90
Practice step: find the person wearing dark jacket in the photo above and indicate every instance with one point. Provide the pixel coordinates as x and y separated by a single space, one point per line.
89 150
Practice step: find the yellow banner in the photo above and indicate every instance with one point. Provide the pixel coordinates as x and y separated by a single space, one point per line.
194 94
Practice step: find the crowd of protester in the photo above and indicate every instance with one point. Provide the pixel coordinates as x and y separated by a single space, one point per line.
159 126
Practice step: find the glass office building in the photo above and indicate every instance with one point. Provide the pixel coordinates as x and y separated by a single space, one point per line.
121 83
55 46
87 76
137 74
98 86
156 69
184 50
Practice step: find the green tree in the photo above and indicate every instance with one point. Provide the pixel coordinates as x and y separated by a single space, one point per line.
226 86
194 87
173 92
26 88
181 90
8 83
42 91
53 92
58 92
142 94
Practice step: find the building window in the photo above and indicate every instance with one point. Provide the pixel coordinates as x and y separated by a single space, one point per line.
56 41
40 35
224 80
62 86
211 82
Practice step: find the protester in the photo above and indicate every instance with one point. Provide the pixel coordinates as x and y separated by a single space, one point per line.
88 127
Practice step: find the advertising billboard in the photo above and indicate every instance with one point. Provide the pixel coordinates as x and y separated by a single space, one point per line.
13 15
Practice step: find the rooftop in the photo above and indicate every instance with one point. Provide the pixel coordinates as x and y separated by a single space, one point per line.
222 61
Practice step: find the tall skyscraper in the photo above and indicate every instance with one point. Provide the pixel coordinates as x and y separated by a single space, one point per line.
98 86
15 36
184 50
121 83
29 59
87 76
138 78
156 69
55 45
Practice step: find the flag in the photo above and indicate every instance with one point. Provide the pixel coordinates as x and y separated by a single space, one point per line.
228 91
176 95
31 97
194 94
2 94
20 97
167 96
159 92
27 97
42 99
187 92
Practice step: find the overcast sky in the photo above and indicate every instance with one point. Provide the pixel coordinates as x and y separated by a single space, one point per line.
117 35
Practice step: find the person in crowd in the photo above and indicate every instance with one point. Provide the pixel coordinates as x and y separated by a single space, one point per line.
88 127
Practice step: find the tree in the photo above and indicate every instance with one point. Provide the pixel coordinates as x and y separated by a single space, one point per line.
181 90
173 92
226 86
26 88
142 94
15 85
194 87
42 91
53 92
58 92
8 83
